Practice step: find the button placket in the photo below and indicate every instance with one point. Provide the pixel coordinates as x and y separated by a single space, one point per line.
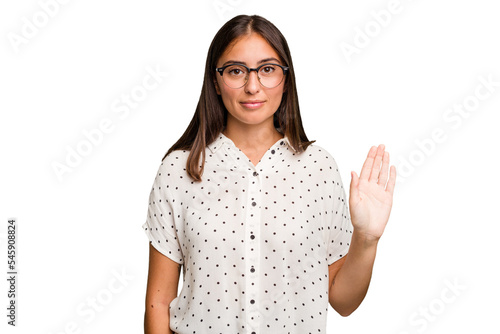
253 250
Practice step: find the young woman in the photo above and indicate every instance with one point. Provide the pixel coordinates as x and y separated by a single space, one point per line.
253 212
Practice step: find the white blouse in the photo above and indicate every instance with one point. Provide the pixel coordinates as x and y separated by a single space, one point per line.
254 242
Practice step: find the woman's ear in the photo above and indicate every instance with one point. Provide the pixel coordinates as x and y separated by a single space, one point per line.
217 87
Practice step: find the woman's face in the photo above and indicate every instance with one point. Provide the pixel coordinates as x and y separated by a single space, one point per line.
252 104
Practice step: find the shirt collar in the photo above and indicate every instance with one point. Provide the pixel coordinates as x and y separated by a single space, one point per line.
222 140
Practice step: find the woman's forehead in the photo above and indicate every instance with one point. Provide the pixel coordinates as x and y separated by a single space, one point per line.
249 48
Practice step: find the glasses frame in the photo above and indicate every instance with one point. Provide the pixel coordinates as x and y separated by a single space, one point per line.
221 70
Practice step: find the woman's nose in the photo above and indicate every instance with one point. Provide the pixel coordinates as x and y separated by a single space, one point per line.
252 85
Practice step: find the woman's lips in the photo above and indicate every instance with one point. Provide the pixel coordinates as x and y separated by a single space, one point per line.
252 104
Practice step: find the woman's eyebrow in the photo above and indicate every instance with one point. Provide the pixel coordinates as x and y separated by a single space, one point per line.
244 63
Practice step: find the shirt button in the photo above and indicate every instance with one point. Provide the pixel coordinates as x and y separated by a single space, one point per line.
252 237
255 173
254 333
252 301
273 151
254 204
252 270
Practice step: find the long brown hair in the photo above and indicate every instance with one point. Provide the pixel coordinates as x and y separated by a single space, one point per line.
210 116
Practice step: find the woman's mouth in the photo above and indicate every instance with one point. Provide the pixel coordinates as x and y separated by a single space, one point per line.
252 104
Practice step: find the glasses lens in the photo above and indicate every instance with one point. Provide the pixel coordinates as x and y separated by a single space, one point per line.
270 75
235 76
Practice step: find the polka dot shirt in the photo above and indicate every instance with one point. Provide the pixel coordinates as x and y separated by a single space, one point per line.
254 242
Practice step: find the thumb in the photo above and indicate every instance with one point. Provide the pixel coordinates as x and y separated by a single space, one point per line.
353 190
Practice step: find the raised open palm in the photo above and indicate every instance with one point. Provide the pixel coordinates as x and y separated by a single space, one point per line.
370 198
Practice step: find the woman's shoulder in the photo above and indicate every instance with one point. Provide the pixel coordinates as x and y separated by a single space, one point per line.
175 157
173 165
324 162
318 153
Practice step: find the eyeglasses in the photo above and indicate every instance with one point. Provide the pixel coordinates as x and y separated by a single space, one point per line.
236 75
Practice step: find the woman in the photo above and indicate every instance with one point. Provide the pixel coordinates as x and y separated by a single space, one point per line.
255 213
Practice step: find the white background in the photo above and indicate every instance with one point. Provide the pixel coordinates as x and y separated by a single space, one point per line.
76 232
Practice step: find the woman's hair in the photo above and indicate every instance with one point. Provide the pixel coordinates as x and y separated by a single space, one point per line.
210 116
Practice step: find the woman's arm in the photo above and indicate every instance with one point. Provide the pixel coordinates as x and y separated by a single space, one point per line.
163 279
350 276
370 202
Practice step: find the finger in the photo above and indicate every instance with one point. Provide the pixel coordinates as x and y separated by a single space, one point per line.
385 169
367 166
376 164
392 180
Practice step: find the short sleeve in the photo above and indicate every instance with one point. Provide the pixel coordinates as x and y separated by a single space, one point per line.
340 227
160 226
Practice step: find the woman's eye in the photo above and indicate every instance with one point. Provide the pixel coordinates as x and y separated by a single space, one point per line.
235 71
268 69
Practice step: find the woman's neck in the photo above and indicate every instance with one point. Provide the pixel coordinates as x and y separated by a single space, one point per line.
253 139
